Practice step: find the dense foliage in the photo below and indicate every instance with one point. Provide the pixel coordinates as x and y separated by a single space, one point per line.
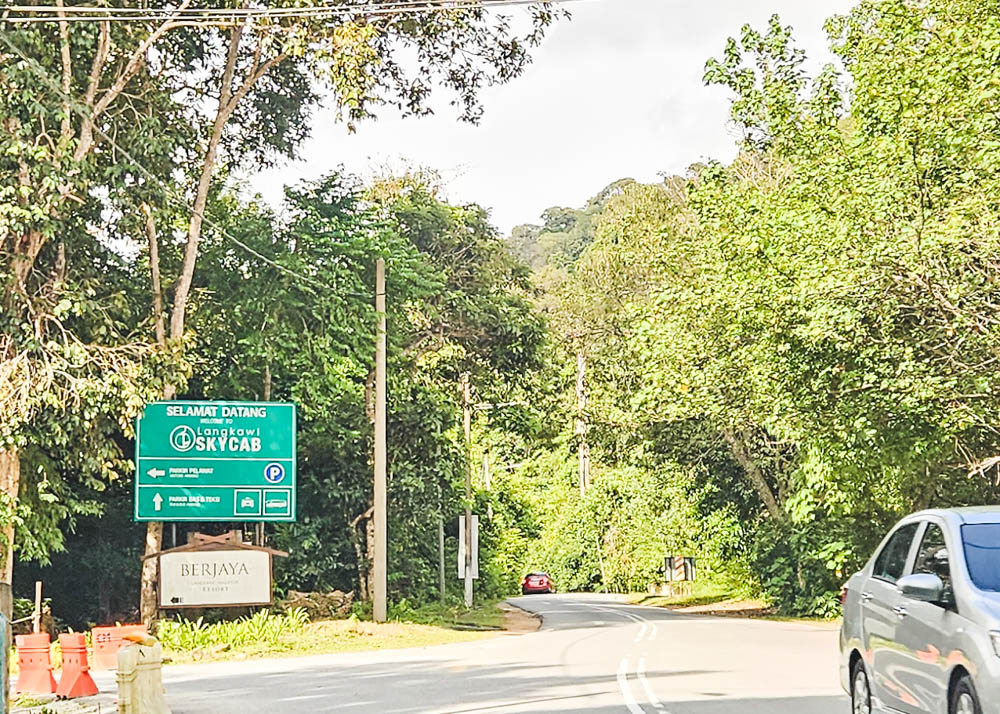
784 353
117 141
808 335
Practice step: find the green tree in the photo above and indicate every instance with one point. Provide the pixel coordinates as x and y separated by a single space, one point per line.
257 79
814 317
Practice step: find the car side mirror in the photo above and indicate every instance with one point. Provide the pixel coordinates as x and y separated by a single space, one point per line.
924 587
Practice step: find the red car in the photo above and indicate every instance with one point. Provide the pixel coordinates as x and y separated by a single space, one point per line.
535 583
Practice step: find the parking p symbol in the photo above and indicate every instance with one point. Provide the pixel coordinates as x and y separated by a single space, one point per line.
274 473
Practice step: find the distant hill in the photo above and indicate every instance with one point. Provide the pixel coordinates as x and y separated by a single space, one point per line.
564 233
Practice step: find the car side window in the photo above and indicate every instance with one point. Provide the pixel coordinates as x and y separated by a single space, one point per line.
891 562
932 558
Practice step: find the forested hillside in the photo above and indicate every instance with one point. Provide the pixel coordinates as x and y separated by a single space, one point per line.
788 352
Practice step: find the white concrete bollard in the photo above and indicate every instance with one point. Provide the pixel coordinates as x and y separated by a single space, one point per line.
140 680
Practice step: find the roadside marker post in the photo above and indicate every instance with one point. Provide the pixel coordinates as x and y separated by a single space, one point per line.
680 573
140 678
468 567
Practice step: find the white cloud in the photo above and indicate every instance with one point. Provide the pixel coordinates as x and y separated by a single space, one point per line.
616 91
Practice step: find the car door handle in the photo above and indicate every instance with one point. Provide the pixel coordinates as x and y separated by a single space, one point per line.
900 611
867 597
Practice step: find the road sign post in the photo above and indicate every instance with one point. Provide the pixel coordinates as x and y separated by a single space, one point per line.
216 461
468 566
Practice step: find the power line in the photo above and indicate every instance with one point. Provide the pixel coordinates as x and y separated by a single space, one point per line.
34 14
245 11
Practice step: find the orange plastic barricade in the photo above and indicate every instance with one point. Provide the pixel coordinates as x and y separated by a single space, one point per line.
76 680
35 666
108 640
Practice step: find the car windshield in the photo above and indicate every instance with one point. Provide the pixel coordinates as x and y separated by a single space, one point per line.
982 553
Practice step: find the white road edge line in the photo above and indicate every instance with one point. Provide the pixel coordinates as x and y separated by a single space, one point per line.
630 702
641 633
638 619
650 694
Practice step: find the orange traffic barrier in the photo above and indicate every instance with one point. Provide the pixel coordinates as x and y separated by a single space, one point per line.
35 665
108 640
75 680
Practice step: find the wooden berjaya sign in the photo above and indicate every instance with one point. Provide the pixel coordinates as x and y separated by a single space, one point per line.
215 578
215 571
215 461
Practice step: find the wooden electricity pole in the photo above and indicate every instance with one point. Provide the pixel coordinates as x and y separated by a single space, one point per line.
442 581
379 569
583 450
467 428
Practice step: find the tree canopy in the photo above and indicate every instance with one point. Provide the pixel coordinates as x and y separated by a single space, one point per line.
780 354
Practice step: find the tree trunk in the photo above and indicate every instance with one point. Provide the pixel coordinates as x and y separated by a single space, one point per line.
370 560
154 531
230 94
737 440
182 288
10 482
364 551
104 601
150 568
159 323
583 449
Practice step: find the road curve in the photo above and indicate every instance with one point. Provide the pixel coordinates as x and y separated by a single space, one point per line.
593 655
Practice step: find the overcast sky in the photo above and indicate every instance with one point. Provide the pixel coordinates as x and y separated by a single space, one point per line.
616 91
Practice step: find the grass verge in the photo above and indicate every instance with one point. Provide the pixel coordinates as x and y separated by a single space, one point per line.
700 594
417 627
706 598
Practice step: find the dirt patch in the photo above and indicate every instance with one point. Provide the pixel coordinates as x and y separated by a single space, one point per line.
48 704
518 621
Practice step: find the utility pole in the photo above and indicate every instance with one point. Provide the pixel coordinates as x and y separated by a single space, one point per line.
381 530
467 428
442 583
583 450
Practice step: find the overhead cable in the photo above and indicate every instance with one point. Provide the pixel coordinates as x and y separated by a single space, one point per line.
34 14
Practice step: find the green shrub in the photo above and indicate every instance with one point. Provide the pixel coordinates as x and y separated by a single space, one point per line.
261 628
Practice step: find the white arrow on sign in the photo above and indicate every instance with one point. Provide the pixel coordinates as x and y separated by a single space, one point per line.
156 473
157 501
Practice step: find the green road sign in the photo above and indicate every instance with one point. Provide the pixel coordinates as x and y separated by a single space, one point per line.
215 461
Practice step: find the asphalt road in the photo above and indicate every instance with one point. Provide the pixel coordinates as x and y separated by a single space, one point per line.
593 655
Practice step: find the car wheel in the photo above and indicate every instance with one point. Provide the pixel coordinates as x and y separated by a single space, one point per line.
861 693
964 699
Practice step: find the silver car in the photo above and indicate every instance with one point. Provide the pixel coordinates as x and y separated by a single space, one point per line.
921 629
